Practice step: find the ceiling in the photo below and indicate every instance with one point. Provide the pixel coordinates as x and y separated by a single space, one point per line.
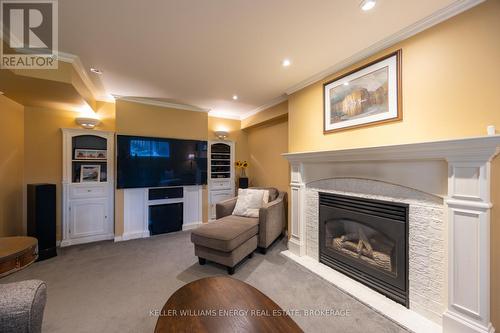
201 52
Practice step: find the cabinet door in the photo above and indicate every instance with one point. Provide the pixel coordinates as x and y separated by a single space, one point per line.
218 196
88 217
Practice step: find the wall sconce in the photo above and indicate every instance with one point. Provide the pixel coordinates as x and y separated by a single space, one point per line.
87 122
88 119
222 135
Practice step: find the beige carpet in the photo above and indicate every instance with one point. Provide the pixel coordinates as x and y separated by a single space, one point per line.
111 287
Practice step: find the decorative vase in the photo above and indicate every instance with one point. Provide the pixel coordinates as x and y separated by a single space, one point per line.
242 173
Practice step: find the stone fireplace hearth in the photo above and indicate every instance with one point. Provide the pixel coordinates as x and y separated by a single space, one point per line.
446 187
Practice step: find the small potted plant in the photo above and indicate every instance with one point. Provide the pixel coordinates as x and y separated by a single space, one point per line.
243 179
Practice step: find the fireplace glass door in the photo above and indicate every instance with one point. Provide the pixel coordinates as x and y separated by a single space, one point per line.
366 240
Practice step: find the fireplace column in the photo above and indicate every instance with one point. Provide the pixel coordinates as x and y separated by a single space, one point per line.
297 242
469 207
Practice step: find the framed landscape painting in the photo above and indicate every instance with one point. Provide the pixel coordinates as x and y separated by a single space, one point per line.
368 95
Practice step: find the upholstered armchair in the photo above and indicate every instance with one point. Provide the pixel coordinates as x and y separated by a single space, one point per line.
272 217
21 306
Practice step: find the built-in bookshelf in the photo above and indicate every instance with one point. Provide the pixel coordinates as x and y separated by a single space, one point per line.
220 161
221 175
88 186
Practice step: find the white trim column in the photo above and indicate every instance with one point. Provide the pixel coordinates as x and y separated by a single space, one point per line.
297 241
469 206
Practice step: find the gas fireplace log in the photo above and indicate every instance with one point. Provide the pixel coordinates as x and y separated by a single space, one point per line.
364 242
350 246
349 237
379 259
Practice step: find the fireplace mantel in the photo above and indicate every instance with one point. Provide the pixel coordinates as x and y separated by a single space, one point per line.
478 148
458 171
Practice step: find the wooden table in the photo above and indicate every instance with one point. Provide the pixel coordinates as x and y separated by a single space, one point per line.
17 253
222 304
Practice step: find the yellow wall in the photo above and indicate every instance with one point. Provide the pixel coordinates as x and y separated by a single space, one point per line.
43 145
451 79
267 134
266 143
11 168
149 120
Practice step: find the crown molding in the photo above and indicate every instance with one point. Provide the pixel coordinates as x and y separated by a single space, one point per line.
164 104
271 103
75 61
437 17
225 115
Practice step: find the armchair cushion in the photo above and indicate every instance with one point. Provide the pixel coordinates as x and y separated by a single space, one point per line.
225 234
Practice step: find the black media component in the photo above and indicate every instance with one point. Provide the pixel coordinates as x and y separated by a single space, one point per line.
160 162
166 193
165 218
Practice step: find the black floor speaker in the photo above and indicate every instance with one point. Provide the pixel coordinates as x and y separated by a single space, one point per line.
41 218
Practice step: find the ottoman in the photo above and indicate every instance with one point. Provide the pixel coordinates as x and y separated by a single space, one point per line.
226 241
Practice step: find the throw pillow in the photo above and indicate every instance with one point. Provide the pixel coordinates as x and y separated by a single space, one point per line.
248 203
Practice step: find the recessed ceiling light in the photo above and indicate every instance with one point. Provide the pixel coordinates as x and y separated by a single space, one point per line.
95 70
286 63
235 97
367 4
346 83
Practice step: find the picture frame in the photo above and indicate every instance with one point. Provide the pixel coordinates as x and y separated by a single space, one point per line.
90 154
368 95
90 173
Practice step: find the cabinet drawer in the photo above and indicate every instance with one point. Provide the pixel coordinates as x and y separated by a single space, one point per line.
220 184
82 191
218 196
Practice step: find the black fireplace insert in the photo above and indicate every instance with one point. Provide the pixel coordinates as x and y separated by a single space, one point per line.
367 240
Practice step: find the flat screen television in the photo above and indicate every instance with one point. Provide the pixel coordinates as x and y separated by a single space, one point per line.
158 162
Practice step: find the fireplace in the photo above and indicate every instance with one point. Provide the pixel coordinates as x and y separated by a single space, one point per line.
367 240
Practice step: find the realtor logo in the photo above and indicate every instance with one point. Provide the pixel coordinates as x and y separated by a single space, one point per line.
29 34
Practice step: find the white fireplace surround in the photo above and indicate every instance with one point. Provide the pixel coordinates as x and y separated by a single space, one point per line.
454 172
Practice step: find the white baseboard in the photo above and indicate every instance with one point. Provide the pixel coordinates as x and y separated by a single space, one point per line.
190 226
132 235
145 234
83 240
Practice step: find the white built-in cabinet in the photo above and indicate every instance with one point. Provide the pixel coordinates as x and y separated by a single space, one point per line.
221 178
87 202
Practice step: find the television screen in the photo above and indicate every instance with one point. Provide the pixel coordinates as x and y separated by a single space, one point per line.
156 162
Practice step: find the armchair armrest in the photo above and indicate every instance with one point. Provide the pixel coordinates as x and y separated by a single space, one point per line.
225 208
272 219
22 305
